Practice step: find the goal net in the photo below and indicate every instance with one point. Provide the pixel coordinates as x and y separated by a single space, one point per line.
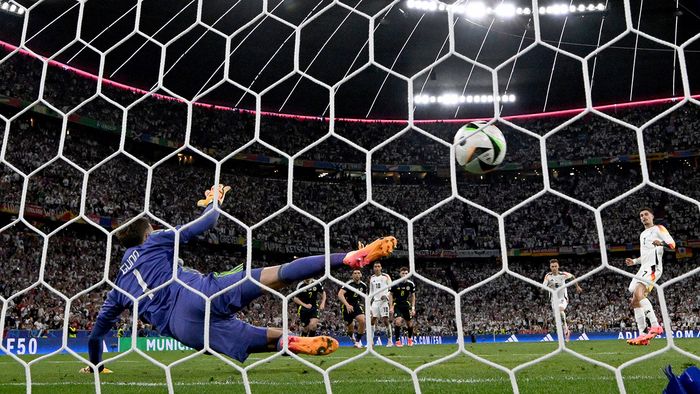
334 122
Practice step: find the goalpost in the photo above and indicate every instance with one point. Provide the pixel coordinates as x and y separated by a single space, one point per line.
268 12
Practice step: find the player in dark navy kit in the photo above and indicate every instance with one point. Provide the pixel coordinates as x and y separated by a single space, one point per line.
404 308
309 306
352 306
176 312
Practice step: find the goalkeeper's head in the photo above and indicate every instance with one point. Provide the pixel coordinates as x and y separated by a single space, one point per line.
135 233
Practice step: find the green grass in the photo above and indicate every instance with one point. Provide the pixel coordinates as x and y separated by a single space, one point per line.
207 374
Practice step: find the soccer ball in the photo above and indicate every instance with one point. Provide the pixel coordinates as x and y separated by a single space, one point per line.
479 151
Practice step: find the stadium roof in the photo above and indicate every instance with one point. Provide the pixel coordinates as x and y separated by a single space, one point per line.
333 45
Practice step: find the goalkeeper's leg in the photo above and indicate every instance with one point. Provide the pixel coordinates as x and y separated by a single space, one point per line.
238 339
280 276
274 277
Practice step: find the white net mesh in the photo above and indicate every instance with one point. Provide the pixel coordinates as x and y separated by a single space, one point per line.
183 121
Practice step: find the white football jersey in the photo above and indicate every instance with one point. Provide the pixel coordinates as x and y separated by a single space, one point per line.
380 283
649 253
556 281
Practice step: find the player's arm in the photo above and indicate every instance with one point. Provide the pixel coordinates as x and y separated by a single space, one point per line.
666 240
208 220
109 314
167 237
301 303
635 261
297 300
413 303
390 295
341 297
570 276
322 305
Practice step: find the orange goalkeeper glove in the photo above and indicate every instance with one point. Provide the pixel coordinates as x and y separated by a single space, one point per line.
88 369
209 195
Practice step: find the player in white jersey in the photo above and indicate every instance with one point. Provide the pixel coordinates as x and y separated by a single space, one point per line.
382 303
556 279
652 242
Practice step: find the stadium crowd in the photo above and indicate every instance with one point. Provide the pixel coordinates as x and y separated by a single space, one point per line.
116 190
502 305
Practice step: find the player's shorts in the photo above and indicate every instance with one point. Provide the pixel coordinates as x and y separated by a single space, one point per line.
563 303
357 310
403 311
650 273
380 308
305 315
227 334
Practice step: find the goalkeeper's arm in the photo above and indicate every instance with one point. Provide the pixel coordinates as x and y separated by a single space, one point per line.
209 216
109 314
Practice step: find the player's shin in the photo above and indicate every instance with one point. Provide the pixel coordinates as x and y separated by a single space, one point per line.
397 333
640 319
649 312
563 322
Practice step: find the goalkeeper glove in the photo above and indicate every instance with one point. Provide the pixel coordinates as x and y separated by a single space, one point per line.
88 369
209 195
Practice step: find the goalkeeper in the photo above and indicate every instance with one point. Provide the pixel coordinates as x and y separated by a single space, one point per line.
179 313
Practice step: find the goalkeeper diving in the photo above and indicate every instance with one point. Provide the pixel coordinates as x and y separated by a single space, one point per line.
179 313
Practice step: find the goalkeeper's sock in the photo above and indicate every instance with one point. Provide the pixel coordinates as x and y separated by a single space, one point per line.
308 267
640 319
649 312
397 333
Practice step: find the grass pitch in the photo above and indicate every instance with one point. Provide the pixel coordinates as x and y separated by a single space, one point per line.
562 373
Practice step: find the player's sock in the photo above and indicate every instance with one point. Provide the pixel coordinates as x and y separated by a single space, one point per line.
352 336
563 321
640 319
649 312
307 267
389 333
397 333
410 332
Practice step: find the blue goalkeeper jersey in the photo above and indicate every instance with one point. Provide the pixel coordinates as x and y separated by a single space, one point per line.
145 267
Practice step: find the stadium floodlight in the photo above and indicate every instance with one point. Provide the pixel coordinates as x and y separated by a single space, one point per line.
452 99
475 10
479 9
505 10
12 8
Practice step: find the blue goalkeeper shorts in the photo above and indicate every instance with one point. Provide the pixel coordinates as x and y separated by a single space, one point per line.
227 334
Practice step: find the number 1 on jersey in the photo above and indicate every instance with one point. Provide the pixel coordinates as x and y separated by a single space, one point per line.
142 283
